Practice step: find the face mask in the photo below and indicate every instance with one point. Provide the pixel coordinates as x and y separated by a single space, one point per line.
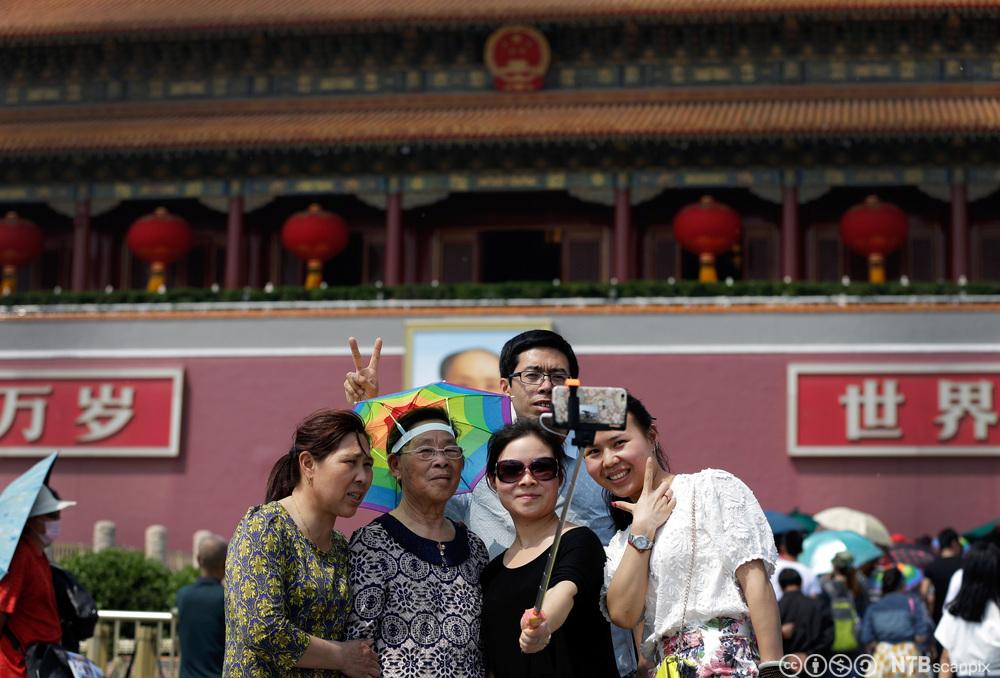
51 532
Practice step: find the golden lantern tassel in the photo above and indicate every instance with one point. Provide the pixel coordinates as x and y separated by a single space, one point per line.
706 273
9 284
876 269
314 277
156 276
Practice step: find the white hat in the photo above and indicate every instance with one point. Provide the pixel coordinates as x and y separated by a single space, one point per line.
47 503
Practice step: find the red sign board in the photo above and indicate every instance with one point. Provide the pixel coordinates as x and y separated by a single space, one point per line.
91 413
901 409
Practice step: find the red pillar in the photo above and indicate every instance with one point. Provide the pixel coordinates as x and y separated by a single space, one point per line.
959 230
234 243
623 234
393 237
81 245
790 232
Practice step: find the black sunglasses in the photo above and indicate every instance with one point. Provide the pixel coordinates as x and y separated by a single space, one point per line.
511 470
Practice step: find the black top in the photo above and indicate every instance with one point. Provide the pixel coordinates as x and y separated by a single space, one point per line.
582 645
813 633
201 626
940 572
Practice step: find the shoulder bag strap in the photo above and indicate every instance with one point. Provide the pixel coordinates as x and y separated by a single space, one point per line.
690 573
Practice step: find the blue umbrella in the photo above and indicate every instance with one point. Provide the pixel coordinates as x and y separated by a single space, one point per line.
780 523
819 548
15 504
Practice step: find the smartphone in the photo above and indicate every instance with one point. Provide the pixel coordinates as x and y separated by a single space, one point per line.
602 408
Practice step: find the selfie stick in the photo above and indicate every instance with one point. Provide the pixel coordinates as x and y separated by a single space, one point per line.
581 439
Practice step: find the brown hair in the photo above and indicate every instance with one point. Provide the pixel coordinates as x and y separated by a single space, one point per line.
319 434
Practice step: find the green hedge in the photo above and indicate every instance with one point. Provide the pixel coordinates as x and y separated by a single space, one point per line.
507 290
121 579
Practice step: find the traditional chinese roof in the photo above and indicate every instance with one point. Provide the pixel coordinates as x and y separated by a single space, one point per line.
49 18
724 113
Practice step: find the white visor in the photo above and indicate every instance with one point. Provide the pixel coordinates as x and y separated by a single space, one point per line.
423 428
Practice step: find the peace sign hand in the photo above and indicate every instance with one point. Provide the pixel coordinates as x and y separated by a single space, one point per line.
654 505
362 383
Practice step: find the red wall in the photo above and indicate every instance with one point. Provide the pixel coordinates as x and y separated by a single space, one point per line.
724 411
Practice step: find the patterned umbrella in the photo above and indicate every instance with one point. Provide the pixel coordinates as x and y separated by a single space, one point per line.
911 554
819 548
912 576
475 415
15 504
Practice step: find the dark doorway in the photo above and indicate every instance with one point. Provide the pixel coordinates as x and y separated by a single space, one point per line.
519 255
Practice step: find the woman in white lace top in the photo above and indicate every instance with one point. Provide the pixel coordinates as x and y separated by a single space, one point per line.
694 563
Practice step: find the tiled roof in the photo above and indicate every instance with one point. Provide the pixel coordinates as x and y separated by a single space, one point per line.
40 18
950 112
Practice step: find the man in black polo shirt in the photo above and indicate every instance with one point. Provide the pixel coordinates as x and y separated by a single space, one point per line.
201 614
938 573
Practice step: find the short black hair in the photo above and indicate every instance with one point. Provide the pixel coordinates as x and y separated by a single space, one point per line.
525 341
522 428
892 580
793 543
789 577
947 538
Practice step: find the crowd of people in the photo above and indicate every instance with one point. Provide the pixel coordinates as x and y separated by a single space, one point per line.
656 571
949 623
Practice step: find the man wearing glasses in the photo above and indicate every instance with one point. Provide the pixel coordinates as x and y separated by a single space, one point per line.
531 364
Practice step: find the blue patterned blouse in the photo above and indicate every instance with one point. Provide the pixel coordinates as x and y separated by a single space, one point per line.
280 589
420 600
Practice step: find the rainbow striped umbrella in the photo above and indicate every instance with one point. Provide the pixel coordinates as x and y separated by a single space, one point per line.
912 576
475 415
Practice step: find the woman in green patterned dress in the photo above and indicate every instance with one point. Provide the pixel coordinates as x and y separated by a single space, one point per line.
286 572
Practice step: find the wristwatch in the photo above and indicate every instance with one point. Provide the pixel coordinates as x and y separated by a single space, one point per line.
640 542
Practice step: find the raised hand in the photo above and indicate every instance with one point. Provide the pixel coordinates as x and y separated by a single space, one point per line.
362 383
653 506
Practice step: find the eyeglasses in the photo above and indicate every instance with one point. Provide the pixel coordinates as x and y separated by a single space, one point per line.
536 377
512 470
428 453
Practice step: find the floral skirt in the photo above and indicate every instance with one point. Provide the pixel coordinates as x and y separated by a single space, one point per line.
896 660
724 646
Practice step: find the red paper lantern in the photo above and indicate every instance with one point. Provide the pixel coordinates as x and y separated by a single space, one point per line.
20 242
874 229
707 228
159 238
314 235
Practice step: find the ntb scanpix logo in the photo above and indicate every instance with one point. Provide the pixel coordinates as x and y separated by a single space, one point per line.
864 666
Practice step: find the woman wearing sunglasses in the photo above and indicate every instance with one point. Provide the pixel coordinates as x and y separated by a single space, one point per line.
524 467
414 573
692 560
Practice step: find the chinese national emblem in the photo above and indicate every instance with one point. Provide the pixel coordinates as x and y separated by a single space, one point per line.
518 57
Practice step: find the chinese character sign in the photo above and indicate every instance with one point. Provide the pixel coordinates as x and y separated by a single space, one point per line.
123 412
894 409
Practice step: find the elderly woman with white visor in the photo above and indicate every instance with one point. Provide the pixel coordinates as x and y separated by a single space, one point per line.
414 573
